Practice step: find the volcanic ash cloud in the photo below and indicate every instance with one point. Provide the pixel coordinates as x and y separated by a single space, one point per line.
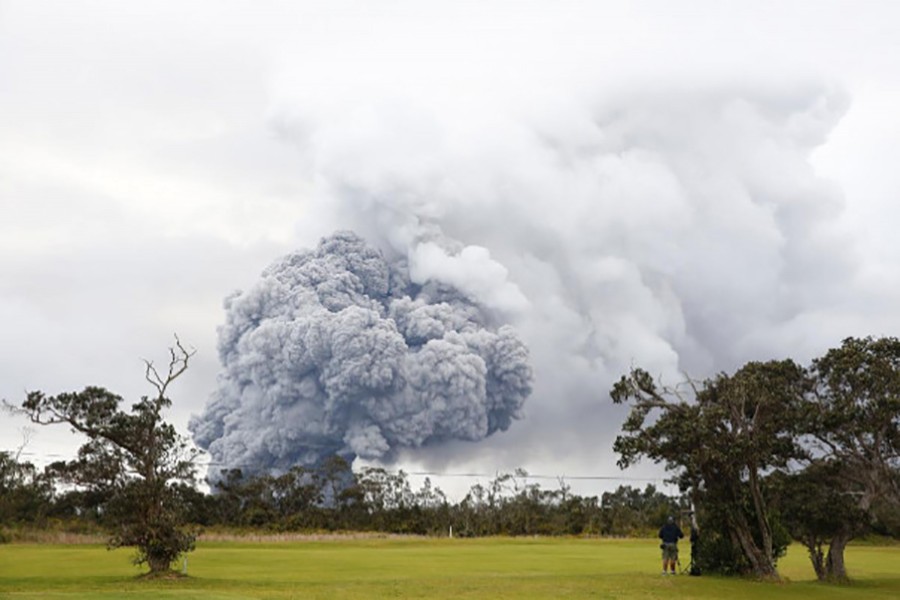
336 350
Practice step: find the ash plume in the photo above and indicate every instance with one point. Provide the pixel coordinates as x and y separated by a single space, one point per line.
337 351
686 230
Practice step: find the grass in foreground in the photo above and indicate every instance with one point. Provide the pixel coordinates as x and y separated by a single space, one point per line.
418 568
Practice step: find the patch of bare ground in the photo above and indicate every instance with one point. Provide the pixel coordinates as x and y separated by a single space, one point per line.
49 536
163 575
268 537
53 536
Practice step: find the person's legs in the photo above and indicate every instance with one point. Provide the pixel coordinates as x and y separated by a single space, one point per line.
669 558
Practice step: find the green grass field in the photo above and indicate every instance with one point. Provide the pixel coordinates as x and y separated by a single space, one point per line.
420 568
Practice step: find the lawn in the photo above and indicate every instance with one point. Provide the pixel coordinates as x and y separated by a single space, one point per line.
420 568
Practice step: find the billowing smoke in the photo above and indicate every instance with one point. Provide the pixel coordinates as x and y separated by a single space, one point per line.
683 230
674 222
339 351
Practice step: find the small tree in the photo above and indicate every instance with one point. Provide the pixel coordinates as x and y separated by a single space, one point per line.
815 510
853 418
25 495
133 459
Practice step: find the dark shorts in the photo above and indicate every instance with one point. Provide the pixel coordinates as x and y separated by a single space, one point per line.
670 551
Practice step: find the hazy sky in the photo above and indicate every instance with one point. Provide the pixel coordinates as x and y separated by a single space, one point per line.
684 186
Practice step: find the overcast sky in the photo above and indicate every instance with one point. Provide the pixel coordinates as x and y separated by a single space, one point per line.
683 186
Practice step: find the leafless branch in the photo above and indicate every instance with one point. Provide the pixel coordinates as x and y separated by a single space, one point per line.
178 364
9 408
26 432
660 397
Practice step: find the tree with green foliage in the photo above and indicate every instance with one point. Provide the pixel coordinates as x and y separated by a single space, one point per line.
25 494
631 511
852 420
133 459
815 509
721 436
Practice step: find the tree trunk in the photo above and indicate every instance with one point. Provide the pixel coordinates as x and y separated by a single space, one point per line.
835 569
157 565
816 557
760 563
759 507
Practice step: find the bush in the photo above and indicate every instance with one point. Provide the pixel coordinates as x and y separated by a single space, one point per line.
717 553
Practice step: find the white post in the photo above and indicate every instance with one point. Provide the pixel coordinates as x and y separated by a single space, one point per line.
451 531
184 566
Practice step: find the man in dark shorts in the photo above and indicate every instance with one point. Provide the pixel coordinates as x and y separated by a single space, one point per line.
670 534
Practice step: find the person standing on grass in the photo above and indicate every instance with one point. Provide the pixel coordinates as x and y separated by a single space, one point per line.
670 533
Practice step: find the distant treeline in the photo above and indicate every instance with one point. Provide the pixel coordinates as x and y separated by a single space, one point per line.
332 498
